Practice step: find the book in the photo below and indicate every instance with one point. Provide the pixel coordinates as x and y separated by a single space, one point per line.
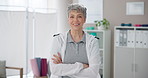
44 67
38 59
34 67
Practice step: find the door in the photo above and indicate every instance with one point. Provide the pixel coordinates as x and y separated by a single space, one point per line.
141 63
124 62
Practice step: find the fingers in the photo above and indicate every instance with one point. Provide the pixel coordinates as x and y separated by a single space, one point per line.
59 56
85 65
57 59
54 61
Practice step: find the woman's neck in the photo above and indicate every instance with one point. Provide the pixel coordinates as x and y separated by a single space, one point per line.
76 35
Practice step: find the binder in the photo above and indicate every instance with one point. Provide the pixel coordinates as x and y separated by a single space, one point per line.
117 37
34 67
139 38
44 67
128 38
121 38
38 59
132 37
124 37
145 39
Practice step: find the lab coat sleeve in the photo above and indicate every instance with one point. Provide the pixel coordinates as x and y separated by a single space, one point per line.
62 69
94 62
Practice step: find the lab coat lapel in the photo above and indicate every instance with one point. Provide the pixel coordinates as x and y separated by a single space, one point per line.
64 39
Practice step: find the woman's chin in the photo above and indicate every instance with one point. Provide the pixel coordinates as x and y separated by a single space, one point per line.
77 29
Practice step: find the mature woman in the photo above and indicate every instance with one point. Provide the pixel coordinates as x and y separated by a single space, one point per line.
75 54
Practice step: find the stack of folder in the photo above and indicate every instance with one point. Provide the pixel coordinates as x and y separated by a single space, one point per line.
141 38
39 67
131 38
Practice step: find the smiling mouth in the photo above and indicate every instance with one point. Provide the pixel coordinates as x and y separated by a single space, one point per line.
76 24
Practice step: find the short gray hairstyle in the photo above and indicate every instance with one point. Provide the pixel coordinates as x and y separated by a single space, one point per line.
78 8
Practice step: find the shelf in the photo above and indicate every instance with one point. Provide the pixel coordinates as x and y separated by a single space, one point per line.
123 47
104 46
94 30
130 47
130 27
131 53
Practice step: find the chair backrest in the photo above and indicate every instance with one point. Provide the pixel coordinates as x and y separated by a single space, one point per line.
2 69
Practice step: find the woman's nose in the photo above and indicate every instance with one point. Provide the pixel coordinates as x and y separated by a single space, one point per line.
75 19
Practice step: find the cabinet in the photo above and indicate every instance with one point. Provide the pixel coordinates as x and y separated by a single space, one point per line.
104 45
130 52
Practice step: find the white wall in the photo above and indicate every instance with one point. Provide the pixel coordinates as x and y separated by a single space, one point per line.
61 6
40 35
12 38
16 45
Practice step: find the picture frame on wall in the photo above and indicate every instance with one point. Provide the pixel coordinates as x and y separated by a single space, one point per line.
135 8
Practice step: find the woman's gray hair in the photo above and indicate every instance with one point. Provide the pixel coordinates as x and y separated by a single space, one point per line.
78 8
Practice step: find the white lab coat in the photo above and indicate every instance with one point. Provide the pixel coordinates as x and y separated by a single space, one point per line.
75 70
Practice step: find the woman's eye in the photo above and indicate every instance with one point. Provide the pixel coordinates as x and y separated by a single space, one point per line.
80 16
71 17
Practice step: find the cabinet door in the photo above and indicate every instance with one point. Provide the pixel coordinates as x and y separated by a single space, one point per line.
101 40
141 63
124 62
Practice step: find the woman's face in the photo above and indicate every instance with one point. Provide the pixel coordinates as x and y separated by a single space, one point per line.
76 20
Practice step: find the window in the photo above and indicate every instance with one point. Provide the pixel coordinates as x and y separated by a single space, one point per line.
24 34
94 9
20 5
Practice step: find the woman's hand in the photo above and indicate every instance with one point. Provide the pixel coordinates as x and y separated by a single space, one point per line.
85 66
57 59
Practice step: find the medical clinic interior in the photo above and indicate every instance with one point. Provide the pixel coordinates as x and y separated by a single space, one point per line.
30 28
